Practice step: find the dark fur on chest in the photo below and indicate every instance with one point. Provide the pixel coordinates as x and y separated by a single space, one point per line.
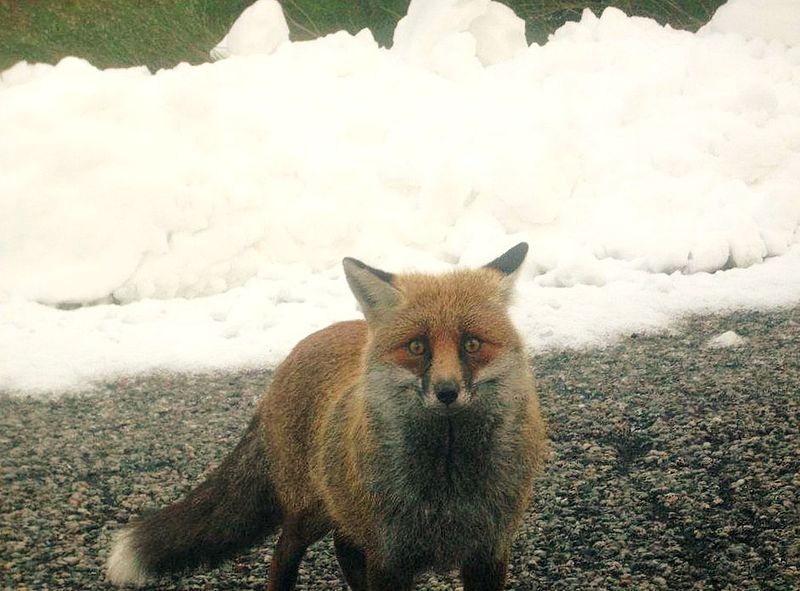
448 487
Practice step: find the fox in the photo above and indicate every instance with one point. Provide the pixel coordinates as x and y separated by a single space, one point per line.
413 435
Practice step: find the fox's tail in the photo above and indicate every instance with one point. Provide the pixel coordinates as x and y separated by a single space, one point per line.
234 508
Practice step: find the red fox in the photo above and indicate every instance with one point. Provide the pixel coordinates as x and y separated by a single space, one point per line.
413 436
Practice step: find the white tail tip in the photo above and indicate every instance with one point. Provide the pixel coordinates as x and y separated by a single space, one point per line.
123 566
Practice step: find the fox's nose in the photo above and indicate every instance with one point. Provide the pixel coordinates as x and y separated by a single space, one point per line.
446 392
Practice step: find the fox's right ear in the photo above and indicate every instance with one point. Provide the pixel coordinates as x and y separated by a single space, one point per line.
372 287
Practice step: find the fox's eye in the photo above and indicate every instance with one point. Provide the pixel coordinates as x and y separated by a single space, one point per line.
471 345
416 347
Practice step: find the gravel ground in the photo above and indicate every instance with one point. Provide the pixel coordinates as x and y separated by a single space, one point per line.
673 466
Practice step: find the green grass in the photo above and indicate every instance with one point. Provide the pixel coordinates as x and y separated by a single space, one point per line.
158 33
543 17
162 33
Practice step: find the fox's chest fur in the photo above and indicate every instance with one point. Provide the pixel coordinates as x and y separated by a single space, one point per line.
440 487
447 486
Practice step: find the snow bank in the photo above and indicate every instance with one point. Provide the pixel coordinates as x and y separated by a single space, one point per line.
452 36
261 28
203 211
768 20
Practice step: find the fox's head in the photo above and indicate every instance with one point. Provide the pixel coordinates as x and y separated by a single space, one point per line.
440 342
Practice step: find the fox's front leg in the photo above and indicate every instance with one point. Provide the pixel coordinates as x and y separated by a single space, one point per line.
383 579
485 573
352 562
362 574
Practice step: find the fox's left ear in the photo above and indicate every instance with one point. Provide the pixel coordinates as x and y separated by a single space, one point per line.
508 264
372 287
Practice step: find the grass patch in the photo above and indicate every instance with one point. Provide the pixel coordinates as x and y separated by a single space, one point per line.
543 17
112 33
162 33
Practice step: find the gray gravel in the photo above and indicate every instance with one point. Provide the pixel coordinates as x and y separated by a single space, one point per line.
673 466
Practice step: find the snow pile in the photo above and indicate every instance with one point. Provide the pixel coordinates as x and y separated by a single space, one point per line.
654 172
768 20
726 339
449 36
261 28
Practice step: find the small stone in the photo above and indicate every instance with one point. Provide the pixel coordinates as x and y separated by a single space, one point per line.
726 339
